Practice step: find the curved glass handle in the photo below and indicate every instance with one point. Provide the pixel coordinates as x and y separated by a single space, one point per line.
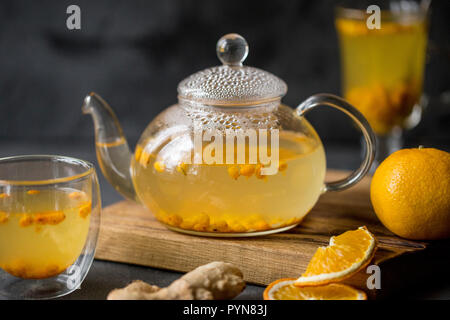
369 137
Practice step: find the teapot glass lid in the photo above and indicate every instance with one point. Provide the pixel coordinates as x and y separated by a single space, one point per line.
232 84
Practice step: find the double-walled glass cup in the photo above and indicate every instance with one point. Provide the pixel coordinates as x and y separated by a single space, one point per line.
49 222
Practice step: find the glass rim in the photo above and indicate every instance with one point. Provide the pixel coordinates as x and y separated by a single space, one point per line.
88 166
342 11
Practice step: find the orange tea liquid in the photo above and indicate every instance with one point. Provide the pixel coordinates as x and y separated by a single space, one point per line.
232 198
383 69
42 232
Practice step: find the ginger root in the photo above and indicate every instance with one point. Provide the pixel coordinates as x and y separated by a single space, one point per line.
213 281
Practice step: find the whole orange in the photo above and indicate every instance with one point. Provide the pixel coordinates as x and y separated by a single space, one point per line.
410 193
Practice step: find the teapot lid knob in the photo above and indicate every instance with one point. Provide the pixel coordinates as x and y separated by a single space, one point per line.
232 84
232 49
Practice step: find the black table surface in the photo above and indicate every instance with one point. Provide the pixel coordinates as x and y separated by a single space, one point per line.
105 276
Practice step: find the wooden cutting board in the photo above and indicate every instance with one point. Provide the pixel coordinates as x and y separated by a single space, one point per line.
129 233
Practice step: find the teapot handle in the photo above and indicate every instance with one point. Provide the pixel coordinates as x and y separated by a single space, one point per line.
369 137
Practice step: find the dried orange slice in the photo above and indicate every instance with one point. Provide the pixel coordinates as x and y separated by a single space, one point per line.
284 289
345 255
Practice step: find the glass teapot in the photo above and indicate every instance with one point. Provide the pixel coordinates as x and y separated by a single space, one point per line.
229 159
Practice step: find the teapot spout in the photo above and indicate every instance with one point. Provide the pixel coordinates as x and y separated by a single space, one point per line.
112 149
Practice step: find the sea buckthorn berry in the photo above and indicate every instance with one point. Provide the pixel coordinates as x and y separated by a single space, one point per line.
85 209
247 170
76 195
250 221
3 217
187 224
261 226
182 168
145 158
173 220
50 217
159 166
219 226
282 166
201 222
138 153
233 171
31 271
236 226
25 220
33 192
200 227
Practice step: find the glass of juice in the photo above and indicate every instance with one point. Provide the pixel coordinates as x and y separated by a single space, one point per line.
383 68
49 222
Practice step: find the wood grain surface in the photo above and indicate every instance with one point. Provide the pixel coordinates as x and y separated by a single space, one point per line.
129 233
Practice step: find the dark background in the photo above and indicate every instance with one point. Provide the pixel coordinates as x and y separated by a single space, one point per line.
134 53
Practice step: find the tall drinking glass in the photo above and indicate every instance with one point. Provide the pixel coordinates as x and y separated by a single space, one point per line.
49 222
383 69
